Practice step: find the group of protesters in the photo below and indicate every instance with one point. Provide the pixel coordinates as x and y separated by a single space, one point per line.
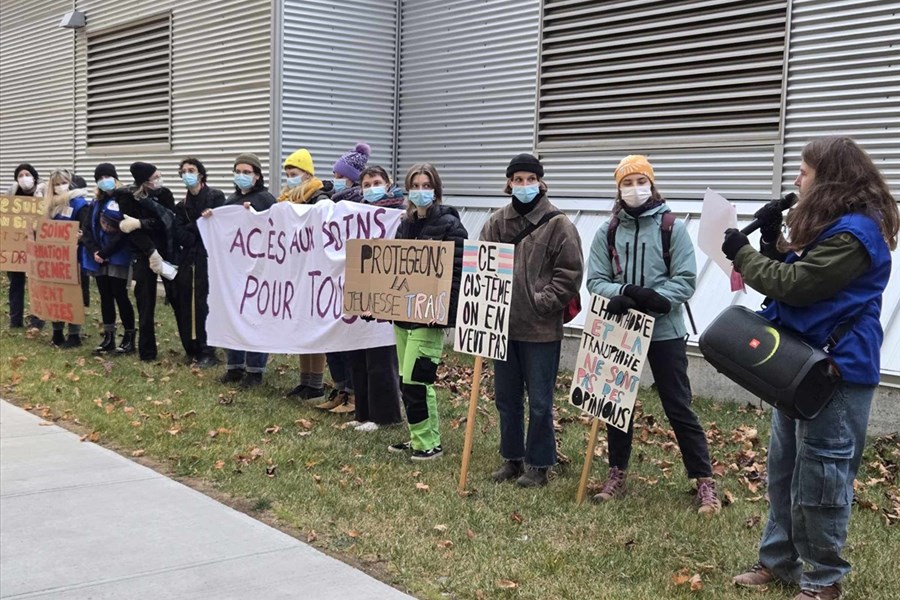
826 263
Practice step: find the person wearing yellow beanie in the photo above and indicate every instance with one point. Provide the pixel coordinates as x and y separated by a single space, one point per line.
302 185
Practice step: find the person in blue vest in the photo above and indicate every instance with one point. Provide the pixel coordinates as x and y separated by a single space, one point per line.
828 289
64 204
107 256
633 272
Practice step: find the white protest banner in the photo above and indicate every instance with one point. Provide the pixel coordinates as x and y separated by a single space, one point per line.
485 291
276 277
610 358
716 216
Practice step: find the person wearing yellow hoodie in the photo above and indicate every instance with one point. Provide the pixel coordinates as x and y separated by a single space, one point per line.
303 187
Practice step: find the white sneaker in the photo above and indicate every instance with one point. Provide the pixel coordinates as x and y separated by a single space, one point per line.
352 424
369 426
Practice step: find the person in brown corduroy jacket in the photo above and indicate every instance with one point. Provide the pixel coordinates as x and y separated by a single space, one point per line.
547 273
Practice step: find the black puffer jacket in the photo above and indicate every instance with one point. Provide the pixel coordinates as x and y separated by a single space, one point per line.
186 214
441 224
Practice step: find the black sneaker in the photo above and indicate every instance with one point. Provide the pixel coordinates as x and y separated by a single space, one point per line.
232 376
72 341
401 447
510 469
59 338
435 452
534 477
298 391
251 380
311 393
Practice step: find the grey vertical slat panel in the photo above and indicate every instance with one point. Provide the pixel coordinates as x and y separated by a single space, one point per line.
221 92
467 88
338 79
36 97
844 78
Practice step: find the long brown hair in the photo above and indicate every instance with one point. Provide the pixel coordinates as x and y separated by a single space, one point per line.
845 181
56 203
434 177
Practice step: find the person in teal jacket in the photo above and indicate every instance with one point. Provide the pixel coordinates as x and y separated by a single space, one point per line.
636 277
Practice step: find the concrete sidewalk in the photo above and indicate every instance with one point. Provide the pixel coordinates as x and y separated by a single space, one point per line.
78 521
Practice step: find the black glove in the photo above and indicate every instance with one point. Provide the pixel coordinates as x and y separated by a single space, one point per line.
770 218
648 300
734 241
619 305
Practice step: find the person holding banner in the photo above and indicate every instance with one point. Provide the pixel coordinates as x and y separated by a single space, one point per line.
374 371
420 347
63 204
652 283
247 368
191 283
345 187
304 188
547 274
26 182
107 256
828 290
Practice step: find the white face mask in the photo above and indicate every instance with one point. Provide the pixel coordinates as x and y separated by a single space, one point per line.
635 196
155 184
61 189
26 182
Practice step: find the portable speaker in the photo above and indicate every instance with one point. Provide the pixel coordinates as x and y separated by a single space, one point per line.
774 364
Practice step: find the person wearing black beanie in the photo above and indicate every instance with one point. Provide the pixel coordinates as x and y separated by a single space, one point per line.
105 170
149 222
26 182
547 274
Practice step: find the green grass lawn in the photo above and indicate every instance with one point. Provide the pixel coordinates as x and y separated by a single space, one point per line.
298 468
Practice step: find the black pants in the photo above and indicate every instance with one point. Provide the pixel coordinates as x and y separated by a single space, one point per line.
145 282
114 292
668 362
17 301
376 385
85 288
190 295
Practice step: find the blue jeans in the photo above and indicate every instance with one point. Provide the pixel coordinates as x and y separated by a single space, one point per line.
811 468
252 362
339 366
532 366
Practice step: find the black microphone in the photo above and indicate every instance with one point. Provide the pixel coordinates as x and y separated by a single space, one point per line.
783 204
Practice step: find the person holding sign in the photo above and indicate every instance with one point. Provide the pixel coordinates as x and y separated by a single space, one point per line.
547 274
107 256
630 267
26 183
63 204
304 188
828 289
247 368
191 283
148 221
374 371
419 347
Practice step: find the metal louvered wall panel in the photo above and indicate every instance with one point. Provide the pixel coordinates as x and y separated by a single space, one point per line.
221 86
36 96
467 88
338 79
844 78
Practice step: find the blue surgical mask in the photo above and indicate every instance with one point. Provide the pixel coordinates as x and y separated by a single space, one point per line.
339 185
190 179
294 181
243 181
374 194
526 193
107 184
421 198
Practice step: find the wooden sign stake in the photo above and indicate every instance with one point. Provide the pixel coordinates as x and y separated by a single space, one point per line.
470 425
588 460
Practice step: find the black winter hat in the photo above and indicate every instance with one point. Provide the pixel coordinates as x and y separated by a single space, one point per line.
527 163
142 172
105 170
26 167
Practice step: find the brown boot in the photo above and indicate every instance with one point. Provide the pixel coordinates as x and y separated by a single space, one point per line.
832 592
707 497
757 576
335 398
347 406
614 486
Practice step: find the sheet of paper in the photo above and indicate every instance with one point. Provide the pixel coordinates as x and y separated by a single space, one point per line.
717 215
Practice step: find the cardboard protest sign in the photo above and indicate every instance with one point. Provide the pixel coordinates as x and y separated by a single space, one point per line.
399 280
17 217
54 287
53 254
610 359
277 277
482 317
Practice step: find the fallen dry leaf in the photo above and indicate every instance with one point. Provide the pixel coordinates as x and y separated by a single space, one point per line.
271 470
273 429
311 536
137 453
440 528
219 464
752 521
174 431
507 584
304 423
696 583
353 533
422 487
470 534
94 437
46 376
516 518
445 544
